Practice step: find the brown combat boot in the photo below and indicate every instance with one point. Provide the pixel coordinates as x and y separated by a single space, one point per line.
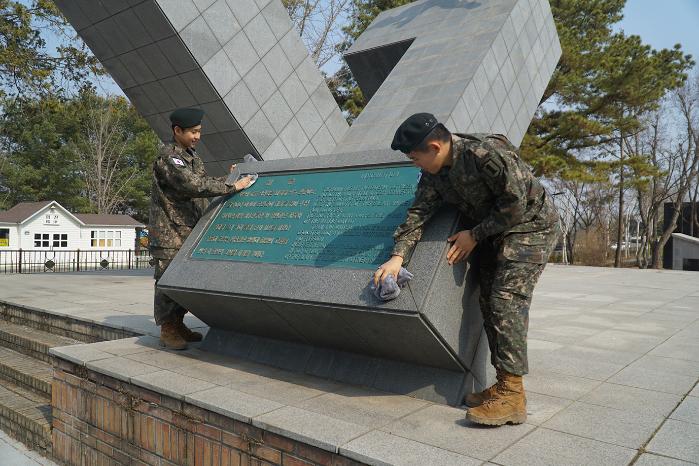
170 337
476 399
186 333
507 406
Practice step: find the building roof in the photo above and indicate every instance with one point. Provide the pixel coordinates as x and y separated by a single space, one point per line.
22 211
25 210
108 219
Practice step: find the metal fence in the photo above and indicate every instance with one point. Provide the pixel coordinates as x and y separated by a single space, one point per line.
37 261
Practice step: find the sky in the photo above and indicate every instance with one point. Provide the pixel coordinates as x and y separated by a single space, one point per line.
664 23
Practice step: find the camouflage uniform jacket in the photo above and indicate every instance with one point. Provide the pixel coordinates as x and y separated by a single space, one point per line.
495 190
180 186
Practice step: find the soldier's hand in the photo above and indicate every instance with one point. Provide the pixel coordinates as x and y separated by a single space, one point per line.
390 267
462 247
232 169
244 182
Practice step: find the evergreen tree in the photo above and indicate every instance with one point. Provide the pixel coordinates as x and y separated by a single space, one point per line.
603 83
43 139
27 64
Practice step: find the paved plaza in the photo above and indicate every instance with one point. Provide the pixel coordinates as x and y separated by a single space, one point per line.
614 362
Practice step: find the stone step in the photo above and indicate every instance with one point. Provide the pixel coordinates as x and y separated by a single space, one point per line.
31 341
25 415
57 324
25 371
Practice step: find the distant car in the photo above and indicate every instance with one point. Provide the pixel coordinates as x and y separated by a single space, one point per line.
625 245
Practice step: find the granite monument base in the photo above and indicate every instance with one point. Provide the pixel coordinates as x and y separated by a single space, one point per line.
244 273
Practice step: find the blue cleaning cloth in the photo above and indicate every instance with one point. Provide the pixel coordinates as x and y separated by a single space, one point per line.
390 288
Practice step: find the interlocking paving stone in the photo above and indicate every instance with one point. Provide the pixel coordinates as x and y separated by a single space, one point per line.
363 406
679 349
232 403
171 383
649 459
625 428
126 346
381 448
676 439
215 373
313 428
559 385
632 399
668 365
548 447
166 359
79 354
282 391
576 366
623 341
540 408
120 368
687 411
650 379
445 427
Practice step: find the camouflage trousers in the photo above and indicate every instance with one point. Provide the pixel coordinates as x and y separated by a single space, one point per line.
506 288
164 308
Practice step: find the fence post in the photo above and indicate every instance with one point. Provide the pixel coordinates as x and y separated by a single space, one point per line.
19 262
78 260
129 259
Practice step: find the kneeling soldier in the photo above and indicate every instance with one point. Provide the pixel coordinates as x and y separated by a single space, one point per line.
178 201
516 228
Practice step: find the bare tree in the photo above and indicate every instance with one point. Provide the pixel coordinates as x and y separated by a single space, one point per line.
317 21
686 155
101 150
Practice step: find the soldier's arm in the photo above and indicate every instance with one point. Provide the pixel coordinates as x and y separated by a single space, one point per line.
183 181
504 177
427 201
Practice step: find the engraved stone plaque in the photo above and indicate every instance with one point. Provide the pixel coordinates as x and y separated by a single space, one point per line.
339 218
281 271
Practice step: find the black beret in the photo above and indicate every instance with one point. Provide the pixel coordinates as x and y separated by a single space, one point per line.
413 131
186 117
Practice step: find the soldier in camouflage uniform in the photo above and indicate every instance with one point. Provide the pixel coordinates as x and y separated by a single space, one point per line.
516 228
178 201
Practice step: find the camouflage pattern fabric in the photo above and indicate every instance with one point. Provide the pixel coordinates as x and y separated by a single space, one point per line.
180 186
178 201
506 289
165 309
516 227
493 189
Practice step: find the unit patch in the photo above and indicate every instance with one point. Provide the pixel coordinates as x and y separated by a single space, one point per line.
492 168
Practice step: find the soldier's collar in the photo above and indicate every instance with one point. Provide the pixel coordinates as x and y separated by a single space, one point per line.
457 145
183 153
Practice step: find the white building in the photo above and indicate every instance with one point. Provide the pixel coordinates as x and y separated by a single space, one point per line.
47 231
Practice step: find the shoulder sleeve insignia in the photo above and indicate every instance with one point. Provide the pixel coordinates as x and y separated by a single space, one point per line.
177 162
492 168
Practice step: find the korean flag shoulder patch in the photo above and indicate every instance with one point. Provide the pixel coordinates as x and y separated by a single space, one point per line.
178 162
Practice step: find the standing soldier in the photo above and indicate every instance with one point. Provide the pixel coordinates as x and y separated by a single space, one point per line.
178 201
516 228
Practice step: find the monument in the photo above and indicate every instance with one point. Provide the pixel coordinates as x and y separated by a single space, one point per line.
239 60
280 271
